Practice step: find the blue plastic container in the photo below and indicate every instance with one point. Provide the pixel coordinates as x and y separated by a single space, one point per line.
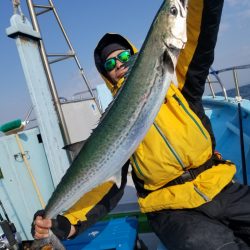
114 234
161 246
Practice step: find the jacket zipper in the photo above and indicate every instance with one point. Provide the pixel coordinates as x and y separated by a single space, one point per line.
188 113
137 166
179 160
201 194
177 157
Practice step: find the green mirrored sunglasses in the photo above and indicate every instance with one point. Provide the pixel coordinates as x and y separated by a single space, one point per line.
122 57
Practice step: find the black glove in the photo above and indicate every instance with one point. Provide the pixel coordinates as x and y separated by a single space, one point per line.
60 226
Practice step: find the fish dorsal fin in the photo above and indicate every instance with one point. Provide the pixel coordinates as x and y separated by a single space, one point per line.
74 148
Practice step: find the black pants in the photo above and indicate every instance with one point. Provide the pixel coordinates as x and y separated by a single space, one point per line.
222 224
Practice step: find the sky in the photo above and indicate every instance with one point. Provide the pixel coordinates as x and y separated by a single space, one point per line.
85 23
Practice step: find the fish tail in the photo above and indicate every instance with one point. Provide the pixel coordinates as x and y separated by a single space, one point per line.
50 243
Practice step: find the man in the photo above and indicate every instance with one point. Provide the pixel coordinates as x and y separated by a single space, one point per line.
187 192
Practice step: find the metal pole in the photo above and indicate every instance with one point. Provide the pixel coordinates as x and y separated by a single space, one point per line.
236 85
210 86
49 76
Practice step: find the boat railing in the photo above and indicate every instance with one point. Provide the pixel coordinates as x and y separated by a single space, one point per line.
217 79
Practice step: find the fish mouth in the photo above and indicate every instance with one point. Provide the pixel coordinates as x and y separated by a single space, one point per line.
176 42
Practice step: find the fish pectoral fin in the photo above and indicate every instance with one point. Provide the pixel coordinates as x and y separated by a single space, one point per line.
174 79
116 178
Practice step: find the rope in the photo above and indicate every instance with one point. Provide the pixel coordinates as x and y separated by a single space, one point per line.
29 170
16 2
17 8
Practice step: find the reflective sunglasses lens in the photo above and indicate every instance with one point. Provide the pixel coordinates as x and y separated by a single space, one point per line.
124 56
110 64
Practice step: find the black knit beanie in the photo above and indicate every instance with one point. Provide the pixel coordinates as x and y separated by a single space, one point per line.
107 50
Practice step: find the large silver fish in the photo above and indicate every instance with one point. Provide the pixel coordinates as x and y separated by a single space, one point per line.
127 120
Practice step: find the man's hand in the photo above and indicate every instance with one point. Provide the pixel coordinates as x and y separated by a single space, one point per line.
60 226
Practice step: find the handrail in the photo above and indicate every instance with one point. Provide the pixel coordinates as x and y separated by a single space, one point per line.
216 73
238 99
246 66
221 84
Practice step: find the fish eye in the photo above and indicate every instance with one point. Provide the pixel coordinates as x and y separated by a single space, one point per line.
173 11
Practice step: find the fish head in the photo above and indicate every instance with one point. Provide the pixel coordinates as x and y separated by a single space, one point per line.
176 37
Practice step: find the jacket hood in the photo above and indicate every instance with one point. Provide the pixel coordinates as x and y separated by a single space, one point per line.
107 39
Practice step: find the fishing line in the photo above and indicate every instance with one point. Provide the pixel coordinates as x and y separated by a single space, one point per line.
242 146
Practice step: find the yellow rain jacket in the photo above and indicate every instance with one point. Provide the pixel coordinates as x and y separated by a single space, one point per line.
177 141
